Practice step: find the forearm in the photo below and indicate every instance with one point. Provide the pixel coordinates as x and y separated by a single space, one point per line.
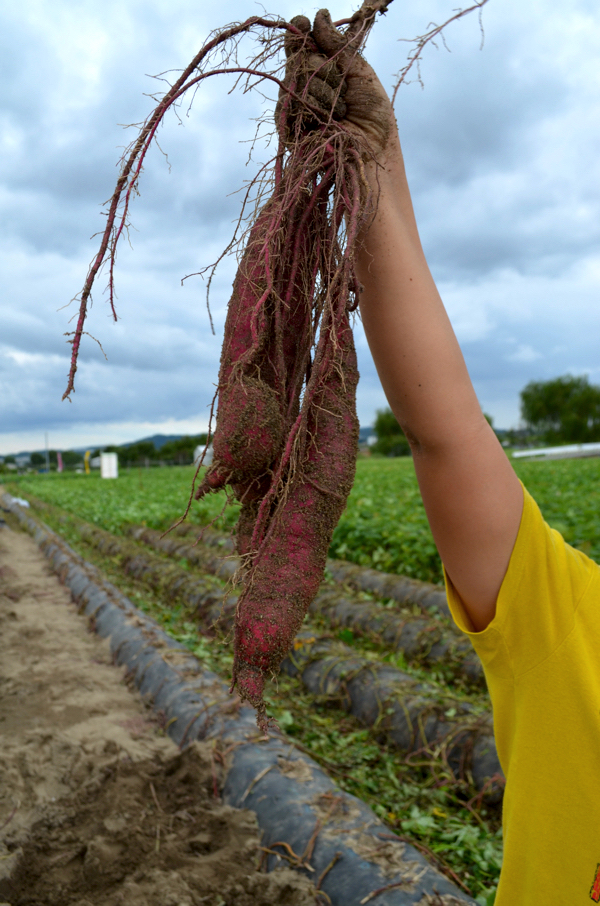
416 353
472 496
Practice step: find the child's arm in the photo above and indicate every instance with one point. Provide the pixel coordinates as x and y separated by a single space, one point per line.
471 494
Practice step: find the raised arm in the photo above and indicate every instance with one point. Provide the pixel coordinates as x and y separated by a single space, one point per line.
471 494
472 497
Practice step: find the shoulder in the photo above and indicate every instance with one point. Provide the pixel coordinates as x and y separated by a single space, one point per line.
545 582
543 562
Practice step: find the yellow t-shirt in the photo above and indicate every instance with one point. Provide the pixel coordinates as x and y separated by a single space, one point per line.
541 656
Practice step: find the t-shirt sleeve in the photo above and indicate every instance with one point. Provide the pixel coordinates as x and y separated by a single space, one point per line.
544 583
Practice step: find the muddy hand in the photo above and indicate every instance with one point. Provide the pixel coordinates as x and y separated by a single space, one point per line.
369 112
314 86
328 80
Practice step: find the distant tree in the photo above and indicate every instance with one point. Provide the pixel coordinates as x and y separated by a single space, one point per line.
391 440
145 449
563 410
71 458
37 459
9 459
181 451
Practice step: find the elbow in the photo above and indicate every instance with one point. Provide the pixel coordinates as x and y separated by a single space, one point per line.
439 437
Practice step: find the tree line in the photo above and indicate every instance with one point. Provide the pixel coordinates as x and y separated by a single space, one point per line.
563 410
180 452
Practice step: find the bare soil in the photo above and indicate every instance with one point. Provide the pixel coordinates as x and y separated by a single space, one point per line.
97 806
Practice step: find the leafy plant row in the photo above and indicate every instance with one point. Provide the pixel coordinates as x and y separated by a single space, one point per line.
408 630
454 736
384 525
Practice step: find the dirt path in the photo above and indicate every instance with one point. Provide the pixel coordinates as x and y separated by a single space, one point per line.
97 807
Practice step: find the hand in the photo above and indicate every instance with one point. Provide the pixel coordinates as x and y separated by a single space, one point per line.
312 77
336 80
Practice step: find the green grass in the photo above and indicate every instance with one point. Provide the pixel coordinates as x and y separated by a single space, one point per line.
384 525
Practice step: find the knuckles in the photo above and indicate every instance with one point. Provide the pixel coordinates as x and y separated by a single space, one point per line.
329 81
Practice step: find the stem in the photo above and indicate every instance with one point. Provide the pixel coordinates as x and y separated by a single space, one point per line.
423 40
140 147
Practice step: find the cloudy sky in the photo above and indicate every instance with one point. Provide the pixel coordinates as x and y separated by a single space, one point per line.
501 145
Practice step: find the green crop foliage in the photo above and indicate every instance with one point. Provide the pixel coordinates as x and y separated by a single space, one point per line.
568 494
384 525
153 497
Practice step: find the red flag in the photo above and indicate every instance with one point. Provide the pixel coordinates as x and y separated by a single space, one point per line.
595 891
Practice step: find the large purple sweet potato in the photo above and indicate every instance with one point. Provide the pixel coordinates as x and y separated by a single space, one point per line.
289 565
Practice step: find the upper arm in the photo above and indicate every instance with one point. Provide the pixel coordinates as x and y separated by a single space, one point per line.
474 503
471 494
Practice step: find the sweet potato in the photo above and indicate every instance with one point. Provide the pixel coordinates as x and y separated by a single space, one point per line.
251 401
290 562
285 438
266 350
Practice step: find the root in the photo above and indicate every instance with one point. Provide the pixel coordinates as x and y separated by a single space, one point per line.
286 433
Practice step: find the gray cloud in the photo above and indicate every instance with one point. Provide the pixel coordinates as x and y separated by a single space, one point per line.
501 153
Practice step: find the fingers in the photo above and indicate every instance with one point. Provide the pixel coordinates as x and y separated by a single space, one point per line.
313 76
322 68
293 43
326 36
327 79
329 100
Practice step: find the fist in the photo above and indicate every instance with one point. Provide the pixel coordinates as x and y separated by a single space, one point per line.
326 70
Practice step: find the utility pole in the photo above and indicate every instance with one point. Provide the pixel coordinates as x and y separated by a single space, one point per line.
47 455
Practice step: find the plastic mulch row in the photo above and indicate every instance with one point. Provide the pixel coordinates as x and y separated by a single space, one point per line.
442 732
388 586
421 638
305 819
411 716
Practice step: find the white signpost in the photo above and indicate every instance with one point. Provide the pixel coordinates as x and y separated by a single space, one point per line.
109 465
198 453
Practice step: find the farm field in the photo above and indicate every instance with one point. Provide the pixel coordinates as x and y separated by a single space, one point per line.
416 795
384 525
81 755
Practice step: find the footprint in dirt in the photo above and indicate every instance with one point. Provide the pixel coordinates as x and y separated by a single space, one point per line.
148 833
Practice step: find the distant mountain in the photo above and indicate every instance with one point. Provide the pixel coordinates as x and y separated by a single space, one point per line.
159 440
